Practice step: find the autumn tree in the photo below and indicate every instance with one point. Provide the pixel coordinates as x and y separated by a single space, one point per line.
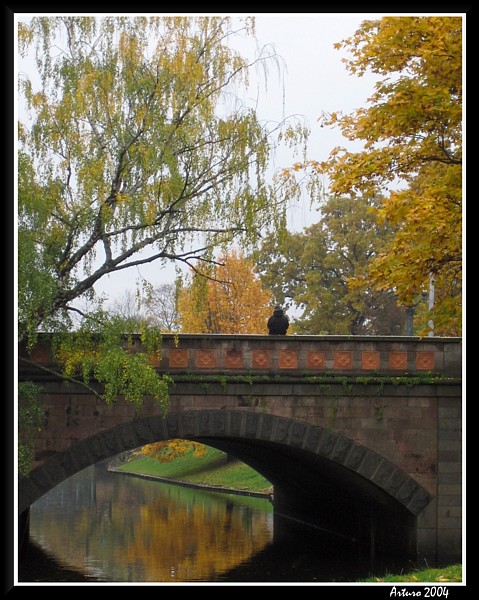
311 271
411 137
230 299
131 150
169 450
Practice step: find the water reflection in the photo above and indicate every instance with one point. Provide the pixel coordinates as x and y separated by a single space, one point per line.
124 529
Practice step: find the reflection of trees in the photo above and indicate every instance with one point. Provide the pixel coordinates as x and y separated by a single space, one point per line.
145 531
190 541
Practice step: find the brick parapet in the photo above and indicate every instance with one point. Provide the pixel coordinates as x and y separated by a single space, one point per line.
295 354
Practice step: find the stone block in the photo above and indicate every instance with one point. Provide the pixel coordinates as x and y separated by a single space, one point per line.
267 427
218 420
453 523
418 501
281 431
187 424
355 456
383 473
297 435
369 465
312 438
340 450
235 427
328 440
97 448
251 424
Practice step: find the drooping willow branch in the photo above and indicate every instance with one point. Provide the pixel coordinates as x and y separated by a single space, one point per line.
60 375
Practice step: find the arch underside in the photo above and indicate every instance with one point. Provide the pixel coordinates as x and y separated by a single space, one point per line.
324 483
285 451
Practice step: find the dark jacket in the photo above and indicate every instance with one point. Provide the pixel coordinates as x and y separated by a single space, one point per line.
278 323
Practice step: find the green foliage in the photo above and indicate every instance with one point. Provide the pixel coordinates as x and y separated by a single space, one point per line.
313 269
130 155
30 420
325 380
103 350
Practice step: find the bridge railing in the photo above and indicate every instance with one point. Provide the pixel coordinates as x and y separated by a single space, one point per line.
292 354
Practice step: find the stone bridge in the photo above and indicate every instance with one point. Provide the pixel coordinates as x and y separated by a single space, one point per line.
360 436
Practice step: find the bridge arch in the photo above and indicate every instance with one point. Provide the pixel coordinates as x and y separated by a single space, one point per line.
322 480
247 435
327 419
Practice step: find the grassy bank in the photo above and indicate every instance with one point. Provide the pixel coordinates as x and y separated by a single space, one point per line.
451 574
214 468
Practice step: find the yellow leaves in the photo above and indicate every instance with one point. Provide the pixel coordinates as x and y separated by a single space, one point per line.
122 198
412 152
25 37
151 212
169 450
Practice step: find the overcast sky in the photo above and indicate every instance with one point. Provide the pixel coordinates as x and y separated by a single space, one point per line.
314 80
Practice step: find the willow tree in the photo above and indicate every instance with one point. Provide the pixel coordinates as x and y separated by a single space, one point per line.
136 147
411 139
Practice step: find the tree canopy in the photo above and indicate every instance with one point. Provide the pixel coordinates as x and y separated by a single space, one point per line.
312 270
229 298
411 137
136 148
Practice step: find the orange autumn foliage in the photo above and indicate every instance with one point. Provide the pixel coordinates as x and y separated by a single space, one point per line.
230 300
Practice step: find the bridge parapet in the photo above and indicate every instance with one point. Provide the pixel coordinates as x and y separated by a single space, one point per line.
297 355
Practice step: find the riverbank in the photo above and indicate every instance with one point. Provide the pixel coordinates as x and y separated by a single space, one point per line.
209 488
213 470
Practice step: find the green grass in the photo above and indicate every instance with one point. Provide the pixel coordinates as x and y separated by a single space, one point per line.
212 469
451 574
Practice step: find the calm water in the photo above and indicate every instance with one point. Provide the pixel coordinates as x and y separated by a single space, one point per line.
111 527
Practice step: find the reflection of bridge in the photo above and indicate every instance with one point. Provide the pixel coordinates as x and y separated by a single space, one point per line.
359 435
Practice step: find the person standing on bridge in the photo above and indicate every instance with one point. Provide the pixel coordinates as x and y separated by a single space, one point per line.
278 322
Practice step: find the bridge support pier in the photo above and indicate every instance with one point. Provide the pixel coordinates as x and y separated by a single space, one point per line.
23 529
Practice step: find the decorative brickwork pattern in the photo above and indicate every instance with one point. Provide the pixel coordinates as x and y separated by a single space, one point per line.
234 359
205 359
178 359
261 359
424 361
288 359
398 361
343 360
370 360
316 360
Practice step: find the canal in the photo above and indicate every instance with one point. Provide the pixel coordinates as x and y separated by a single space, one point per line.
100 526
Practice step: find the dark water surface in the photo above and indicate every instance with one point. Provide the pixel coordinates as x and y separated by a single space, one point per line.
99 526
